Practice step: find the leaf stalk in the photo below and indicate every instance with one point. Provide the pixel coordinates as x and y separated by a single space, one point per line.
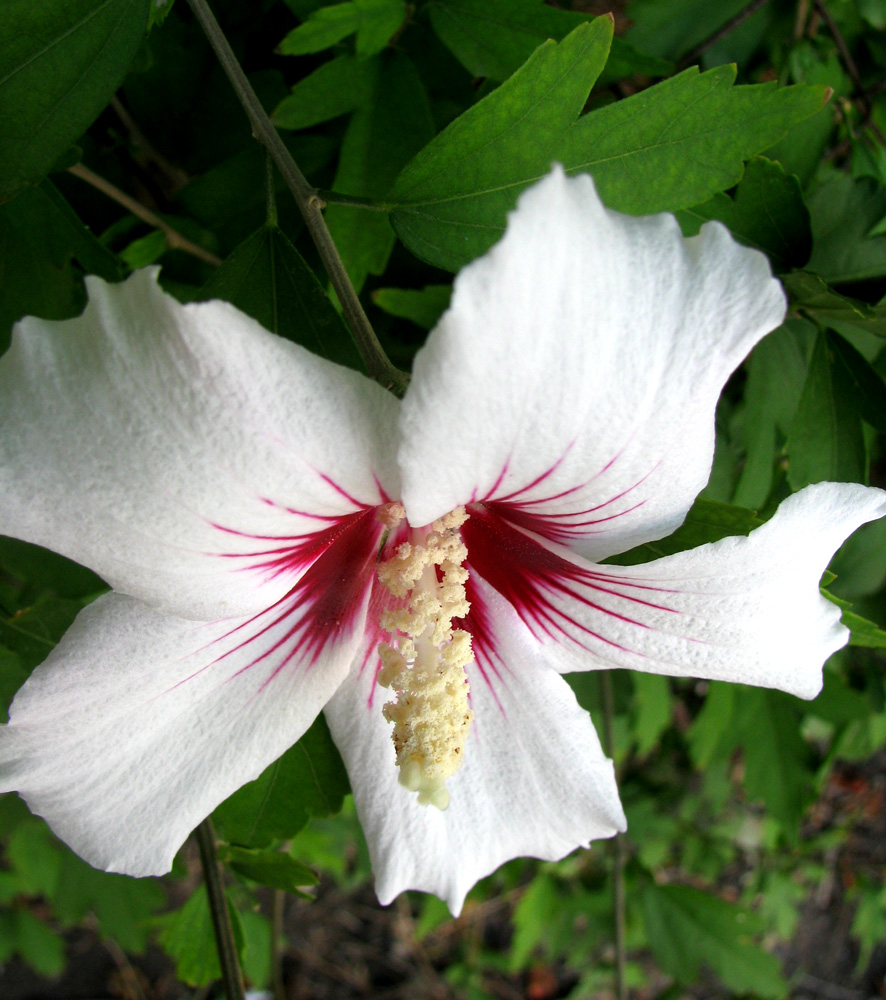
310 204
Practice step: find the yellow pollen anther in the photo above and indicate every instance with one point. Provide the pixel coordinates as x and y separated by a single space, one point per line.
390 514
424 663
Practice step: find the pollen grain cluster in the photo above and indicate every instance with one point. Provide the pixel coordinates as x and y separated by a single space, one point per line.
425 660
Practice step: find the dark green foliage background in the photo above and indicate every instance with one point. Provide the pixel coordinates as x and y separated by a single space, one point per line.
433 116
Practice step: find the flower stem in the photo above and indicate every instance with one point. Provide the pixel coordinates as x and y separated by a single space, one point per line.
618 858
218 908
309 202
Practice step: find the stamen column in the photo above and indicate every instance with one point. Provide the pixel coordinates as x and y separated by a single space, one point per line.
424 663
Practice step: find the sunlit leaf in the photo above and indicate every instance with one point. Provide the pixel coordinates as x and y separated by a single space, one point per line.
665 148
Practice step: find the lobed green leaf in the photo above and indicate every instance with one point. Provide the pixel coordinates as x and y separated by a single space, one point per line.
663 149
689 930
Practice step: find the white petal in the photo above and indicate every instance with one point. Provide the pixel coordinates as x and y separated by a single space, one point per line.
534 781
576 372
146 438
139 724
740 609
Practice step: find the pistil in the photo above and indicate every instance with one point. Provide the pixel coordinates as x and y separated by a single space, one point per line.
425 660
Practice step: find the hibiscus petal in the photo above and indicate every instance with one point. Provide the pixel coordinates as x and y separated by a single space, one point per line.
740 609
157 443
534 779
577 370
139 723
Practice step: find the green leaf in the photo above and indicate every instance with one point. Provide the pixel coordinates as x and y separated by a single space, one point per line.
869 922
13 673
230 199
711 735
38 945
811 295
864 386
826 443
671 28
159 11
767 213
33 633
145 250
776 373
422 307
653 708
689 930
60 63
308 780
843 211
668 147
40 235
187 937
624 60
838 703
257 954
391 124
862 632
46 571
767 724
268 867
34 855
122 906
333 89
493 38
374 21
268 279
707 521
858 564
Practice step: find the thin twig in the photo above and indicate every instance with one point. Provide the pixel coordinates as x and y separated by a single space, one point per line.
722 32
175 176
174 238
310 204
218 908
800 19
618 883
